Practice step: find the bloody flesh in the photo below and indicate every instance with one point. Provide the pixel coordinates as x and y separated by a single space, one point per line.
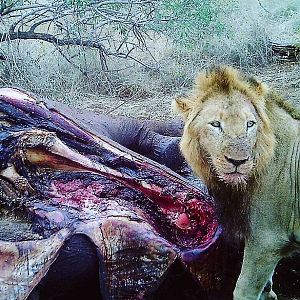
69 181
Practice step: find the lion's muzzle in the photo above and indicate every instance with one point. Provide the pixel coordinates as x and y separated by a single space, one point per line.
236 162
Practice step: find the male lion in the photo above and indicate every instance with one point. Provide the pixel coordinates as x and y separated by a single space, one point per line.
244 142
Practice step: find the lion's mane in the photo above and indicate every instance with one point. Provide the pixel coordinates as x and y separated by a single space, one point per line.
234 202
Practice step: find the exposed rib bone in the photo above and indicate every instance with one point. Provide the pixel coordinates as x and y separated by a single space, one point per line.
20 182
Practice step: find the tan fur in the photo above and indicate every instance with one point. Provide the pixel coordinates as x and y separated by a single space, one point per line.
224 80
243 140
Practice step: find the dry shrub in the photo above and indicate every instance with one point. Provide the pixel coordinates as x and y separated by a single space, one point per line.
76 74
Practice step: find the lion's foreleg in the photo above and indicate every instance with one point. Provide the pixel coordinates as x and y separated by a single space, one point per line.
260 260
268 292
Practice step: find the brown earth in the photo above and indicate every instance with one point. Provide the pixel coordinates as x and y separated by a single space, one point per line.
283 77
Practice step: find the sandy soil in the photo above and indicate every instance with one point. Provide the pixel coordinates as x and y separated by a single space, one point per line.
282 77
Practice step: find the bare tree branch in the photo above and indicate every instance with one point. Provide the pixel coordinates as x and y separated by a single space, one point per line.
18 9
50 38
260 4
114 27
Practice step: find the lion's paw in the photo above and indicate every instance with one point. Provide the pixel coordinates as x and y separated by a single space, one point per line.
268 296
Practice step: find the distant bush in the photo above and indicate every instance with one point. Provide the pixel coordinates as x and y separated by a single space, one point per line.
189 21
133 49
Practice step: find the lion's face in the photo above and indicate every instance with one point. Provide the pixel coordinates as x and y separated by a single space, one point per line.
228 140
227 136
226 127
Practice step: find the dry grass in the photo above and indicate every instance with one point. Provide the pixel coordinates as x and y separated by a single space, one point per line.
132 89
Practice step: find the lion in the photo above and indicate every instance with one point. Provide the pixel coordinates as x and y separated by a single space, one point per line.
243 140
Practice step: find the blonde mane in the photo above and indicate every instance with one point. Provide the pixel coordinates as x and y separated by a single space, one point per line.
224 80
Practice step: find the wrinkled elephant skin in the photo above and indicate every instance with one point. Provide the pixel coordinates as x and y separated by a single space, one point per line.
140 216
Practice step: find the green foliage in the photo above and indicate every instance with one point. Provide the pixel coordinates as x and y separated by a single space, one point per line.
287 11
77 3
7 5
188 21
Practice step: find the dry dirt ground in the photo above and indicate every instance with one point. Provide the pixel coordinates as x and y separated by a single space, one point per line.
284 77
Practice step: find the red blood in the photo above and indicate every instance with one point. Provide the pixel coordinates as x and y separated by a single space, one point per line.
76 192
183 221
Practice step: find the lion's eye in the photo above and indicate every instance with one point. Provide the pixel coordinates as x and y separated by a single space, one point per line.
216 124
250 124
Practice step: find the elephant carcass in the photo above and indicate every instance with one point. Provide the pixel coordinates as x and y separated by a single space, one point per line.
155 139
65 181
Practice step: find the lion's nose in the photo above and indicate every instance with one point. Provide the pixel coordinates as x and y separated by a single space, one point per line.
236 162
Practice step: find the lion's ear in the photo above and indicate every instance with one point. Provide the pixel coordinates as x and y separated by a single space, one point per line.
182 106
259 87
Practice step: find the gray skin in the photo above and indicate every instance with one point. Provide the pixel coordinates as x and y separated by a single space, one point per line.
155 139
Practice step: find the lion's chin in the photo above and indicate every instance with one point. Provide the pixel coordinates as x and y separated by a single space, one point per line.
237 179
